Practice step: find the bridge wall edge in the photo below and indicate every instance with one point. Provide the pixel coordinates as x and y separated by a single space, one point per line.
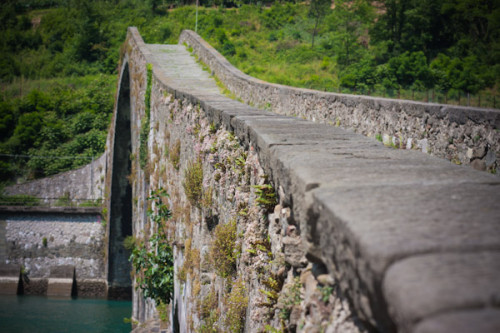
463 135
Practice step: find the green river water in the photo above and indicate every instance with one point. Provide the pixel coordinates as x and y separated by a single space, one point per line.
39 314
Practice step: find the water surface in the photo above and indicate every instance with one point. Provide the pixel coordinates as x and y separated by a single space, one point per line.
41 314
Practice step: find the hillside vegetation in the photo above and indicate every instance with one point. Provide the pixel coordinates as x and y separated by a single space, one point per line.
58 59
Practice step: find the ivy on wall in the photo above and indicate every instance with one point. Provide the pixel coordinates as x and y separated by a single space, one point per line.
144 135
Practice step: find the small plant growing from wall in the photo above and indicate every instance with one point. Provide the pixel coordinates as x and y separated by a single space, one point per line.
225 250
325 292
266 196
290 297
209 312
212 128
154 264
236 304
175 155
193 182
207 200
64 200
191 261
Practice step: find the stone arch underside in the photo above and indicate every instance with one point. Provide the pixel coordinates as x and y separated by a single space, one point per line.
119 281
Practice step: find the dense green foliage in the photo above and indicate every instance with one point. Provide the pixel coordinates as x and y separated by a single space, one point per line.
58 48
153 261
55 124
450 45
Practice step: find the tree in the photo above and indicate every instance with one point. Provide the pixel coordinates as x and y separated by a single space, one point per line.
411 70
7 120
154 5
389 26
87 43
361 75
317 10
440 66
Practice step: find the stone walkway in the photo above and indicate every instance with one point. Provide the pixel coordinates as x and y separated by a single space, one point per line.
177 64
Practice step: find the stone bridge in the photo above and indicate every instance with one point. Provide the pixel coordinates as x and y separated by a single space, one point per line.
334 230
377 238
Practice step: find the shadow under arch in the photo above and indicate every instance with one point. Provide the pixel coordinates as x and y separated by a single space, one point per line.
120 218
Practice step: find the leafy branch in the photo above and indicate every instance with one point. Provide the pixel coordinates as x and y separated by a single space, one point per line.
154 264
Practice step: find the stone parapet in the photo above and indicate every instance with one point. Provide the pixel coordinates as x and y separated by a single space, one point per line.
85 183
463 135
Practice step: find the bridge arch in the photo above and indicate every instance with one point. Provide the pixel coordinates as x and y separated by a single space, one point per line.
120 214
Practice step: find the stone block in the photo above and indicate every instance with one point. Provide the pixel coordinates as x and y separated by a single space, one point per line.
423 286
10 270
62 272
91 288
9 279
35 286
58 287
9 285
360 231
465 321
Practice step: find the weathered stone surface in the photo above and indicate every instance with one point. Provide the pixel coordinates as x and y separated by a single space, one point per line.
10 270
380 224
85 183
386 227
35 286
62 272
438 283
41 241
326 280
61 281
473 320
58 287
9 285
294 252
91 288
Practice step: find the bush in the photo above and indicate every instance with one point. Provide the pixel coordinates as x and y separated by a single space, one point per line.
228 49
61 119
